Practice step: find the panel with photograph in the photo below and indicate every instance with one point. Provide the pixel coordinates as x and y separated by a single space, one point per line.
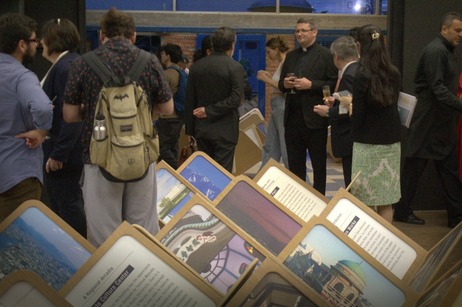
173 192
263 218
380 239
209 246
25 288
207 176
339 274
273 285
34 238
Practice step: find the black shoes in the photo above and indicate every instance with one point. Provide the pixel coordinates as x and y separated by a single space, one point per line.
454 222
410 219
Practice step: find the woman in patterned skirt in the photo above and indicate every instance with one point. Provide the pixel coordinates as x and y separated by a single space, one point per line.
376 125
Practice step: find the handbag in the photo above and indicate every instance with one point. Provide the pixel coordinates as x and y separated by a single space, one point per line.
187 151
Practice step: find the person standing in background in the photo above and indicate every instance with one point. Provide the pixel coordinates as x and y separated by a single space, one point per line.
432 131
169 126
275 145
313 68
376 125
214 93
25 115
108 203
345 52
62 150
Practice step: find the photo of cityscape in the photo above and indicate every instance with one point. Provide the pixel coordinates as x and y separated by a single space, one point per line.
34 242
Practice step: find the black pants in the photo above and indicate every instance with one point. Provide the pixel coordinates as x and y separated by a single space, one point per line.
169 130
65 195
346 164
220 151
447 171
298 139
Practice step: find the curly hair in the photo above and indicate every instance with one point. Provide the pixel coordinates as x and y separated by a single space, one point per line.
116 23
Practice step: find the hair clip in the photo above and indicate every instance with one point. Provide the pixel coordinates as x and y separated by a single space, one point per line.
375 36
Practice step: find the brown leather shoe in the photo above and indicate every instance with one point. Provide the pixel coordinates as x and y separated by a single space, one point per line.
410 219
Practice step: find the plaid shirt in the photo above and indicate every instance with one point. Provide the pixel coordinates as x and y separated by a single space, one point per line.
83 85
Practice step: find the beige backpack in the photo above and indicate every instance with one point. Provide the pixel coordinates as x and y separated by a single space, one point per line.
124 141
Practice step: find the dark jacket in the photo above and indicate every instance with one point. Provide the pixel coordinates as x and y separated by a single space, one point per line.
316 65
215 82
64 143
432 132
373 124
342 143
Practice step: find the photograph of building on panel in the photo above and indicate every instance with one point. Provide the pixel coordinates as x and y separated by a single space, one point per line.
339 274
258 216
35 243
172 195
273 290
210 247
205 175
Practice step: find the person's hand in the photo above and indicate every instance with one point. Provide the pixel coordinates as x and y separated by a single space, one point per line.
289 82
200 112
33 138
321 109
263 75
302 84
329 101
53 165
345 100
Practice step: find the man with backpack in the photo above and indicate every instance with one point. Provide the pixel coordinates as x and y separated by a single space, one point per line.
169 126
118 184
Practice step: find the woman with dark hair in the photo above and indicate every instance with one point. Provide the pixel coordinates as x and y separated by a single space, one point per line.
62 151
275 145
376 125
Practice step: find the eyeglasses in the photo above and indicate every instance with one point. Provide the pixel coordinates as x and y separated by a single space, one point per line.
303 30
34 40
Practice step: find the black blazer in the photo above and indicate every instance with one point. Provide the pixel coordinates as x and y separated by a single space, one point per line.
318 66
64 144
342 143
215 82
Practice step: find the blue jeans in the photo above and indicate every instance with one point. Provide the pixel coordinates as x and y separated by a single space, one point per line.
275 144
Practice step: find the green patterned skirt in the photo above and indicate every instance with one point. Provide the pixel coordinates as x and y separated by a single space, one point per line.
379 181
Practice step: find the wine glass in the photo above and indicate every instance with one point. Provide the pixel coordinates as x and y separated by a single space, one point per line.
326 92
291 76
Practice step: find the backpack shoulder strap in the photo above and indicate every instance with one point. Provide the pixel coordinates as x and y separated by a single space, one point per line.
101 70
143 58
174 68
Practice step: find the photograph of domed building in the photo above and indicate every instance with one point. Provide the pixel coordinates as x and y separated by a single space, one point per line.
338 274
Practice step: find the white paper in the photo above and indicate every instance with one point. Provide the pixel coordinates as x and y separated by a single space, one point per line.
406 106
129 274
291 194
378 241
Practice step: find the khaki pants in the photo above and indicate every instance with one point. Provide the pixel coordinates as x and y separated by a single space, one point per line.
30 188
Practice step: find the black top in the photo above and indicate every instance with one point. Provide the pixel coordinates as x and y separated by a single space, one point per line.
373 124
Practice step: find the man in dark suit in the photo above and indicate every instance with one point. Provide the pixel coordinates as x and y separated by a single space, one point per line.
345 52
432 132
313 67
213 95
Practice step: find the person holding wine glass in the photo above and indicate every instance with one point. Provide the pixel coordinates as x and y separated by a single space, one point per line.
313 67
